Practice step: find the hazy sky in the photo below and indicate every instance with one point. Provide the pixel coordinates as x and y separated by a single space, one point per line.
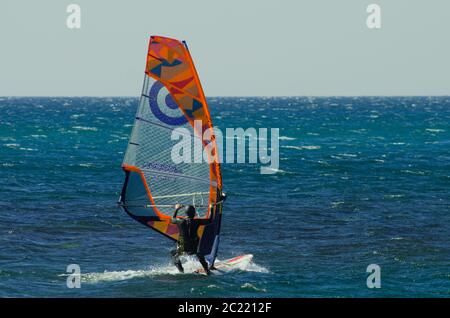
241 47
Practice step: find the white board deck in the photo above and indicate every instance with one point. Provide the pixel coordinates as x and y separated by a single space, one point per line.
229 264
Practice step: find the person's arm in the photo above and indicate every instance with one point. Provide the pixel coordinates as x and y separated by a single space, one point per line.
174 216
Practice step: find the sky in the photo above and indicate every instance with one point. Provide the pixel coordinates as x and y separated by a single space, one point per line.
240 47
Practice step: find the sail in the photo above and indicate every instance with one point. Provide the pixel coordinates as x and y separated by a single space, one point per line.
172 97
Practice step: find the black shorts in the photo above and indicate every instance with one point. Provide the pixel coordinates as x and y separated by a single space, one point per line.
187 247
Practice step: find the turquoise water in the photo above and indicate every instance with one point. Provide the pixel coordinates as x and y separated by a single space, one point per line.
361 181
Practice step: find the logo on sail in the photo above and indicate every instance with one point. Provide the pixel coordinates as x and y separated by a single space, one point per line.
163 106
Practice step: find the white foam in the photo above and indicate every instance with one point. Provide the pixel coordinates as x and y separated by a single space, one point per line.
85 128
435 130
393 196
7 139
270 170
125 275
336 204
249 286
12 145
302 147
286 138
350 155
190 266
421 173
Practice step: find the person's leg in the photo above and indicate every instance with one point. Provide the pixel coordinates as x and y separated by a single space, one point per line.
176 259
202 260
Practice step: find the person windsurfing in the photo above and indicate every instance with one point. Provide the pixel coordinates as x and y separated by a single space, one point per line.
188 240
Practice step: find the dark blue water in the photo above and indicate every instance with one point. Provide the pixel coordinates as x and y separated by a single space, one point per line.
361 181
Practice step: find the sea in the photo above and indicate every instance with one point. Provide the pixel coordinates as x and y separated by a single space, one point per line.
361 195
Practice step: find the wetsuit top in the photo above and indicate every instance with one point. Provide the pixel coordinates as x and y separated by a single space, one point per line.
188 239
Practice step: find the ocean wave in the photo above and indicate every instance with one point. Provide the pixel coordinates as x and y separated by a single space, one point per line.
27 149
213 286
435 130
393 196
336 204
85 128
7 139
398 143
302 147
248 286
359 131
274 170
13 146
349 155
420 173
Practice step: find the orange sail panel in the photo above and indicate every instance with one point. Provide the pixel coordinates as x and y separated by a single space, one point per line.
172 98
